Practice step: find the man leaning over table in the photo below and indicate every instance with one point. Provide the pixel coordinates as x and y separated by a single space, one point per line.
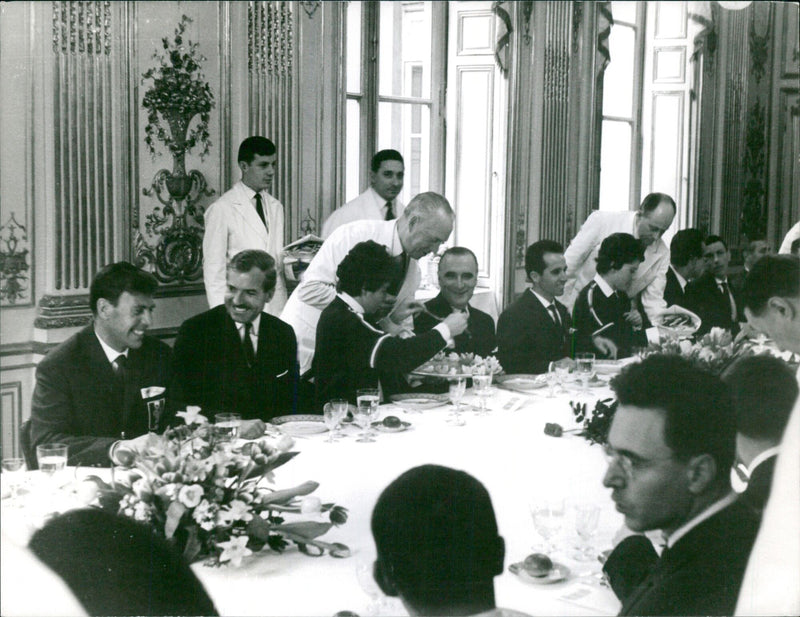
237 358
771 299
379 201
88 391
647 224
670 448
458 276
246 217
534 330
424 225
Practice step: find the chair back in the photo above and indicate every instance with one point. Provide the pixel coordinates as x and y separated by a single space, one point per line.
28 452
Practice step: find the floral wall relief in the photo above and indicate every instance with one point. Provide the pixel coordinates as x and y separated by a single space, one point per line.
178 101
14 267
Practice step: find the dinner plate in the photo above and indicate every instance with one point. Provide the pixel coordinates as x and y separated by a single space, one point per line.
380 426
522 383
427 370
302 424
419 401
559 573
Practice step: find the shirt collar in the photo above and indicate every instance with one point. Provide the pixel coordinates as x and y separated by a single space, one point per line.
679 276
603 285
541 298
255 324
710 511
351 302
111 353
397 246
251 193
379 201
773 451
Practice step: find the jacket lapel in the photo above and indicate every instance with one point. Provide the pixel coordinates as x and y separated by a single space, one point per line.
247 211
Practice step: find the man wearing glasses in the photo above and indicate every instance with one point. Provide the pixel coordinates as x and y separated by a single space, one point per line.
647 224
670 449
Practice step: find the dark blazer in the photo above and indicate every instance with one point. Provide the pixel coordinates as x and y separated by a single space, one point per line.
351 354
527 337
479 336
673 292
76 400
759 484
210 369
700 575
593 310
704 298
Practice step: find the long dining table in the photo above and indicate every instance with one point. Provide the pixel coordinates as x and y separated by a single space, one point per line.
505 448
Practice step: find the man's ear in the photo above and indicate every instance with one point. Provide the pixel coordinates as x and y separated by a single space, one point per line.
243 165
383 579
783 308
702 470
103 306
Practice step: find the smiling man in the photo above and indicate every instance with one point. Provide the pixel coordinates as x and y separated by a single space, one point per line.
670 449
88 389
711 296
380 200
235 357
458 276
246 217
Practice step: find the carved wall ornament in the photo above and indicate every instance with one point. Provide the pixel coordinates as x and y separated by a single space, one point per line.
63 312
754 216
270 37
577 19
311 7
527 13
759 50
14 266
82 28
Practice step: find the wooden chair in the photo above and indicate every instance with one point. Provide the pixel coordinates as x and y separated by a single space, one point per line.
28 453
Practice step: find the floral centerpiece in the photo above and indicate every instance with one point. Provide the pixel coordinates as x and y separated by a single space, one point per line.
714 351
596 422
216 500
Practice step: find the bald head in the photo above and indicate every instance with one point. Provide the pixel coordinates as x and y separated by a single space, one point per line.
426 223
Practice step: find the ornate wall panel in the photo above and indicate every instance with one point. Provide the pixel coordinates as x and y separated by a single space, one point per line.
11 417
85 219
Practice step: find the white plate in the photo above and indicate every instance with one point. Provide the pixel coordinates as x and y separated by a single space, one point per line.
308 424
419 401
522 383
559 573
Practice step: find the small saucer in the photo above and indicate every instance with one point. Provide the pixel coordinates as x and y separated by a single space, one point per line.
380 426
559 573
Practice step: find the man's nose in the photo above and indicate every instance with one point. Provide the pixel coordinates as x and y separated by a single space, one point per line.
146 318
613 478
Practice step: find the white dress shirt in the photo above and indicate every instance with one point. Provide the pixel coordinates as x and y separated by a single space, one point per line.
368 205
254 325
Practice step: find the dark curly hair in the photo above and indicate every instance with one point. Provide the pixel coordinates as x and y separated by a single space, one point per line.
617 250
368 266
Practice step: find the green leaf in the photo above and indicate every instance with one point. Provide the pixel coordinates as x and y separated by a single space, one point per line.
286 495
193 546
174 514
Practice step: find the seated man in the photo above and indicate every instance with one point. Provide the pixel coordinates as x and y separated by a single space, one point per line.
458 275
671 445
379 201
534 329
235 357
438 547
88 391
117 566
710 296
351 353
686 264
764 391
603 308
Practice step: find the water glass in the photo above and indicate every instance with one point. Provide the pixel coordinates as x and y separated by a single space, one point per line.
457 387
52 458
584 365
552 380
562 372
331 418
14 474
226 427
482 385
547 517
586 519
367 401
366 580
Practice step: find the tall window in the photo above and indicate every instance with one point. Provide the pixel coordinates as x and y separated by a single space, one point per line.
394 89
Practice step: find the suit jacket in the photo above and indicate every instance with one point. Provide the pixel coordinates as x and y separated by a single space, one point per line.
233 225
700 575
210 369
318 288
527 337
368 205
593 310
479 336
76 399
704 298
673 292
759 484
351 354
582 252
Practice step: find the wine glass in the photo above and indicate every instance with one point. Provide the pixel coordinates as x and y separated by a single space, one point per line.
366 580
340 407
226 427
14 472
482 385
547 517
552 380
587 516
366 409
331 418
584 365
457 387
562 372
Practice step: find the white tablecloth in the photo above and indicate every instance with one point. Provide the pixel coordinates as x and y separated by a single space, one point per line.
506 450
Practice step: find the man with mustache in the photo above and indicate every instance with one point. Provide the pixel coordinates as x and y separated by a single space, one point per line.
236 358
670 448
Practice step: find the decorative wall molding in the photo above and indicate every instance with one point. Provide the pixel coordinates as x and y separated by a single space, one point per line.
63 312
11 396
15 269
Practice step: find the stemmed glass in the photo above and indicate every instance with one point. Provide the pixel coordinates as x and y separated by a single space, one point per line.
552 379
14 471
340 407
366 409
457 387
377 601
586 519
482 385
584 365
331 419
562 372
547 516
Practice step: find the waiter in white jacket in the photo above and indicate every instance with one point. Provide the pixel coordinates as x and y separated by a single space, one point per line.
424 225
379 201
648 224
246 217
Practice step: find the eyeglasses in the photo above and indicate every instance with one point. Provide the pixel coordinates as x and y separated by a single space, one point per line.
629 465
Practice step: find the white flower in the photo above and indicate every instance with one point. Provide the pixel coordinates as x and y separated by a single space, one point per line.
142 512
192 415
190 495
686 347
238 510
706 354
234 550
284 444
310 505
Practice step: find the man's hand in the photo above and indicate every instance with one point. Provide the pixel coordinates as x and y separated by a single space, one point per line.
457 322
605 346
634 318
124 452
406 309
251 429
